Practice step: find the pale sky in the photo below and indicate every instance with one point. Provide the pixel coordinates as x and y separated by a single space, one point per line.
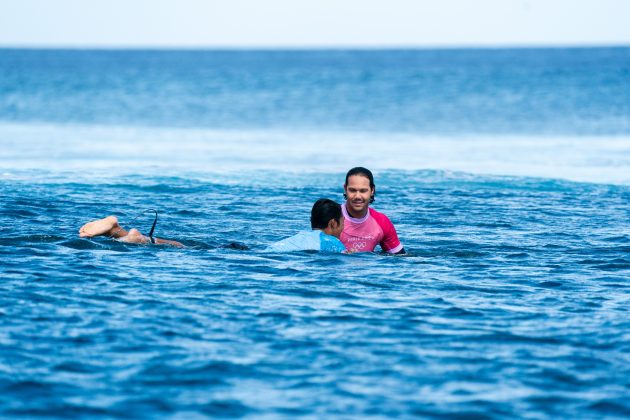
314 23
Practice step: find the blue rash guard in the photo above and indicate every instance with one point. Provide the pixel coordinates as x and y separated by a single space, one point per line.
314 240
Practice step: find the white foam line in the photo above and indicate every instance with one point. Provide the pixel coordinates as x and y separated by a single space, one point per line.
75 147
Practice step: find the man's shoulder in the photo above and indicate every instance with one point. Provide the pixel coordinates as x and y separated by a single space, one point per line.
330 243
383 221
302 237
378 216
305 240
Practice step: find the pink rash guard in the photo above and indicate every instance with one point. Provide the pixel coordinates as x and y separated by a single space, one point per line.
362 235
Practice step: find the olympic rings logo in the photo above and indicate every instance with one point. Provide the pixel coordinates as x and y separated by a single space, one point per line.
358 246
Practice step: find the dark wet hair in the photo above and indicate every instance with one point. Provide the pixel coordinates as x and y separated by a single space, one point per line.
324 210
360 170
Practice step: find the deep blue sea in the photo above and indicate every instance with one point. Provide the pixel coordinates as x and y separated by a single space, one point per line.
505 171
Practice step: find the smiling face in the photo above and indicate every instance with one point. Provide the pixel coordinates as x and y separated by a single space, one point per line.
359 193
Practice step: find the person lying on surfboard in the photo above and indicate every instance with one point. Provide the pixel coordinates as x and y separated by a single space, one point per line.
109 227
326 223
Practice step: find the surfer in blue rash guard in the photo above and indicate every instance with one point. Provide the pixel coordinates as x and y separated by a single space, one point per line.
327 225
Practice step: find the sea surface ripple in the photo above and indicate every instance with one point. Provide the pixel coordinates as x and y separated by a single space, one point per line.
513 301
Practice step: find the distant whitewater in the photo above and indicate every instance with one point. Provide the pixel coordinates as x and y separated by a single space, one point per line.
554 113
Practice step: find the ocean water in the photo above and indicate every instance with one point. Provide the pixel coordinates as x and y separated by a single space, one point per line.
506 173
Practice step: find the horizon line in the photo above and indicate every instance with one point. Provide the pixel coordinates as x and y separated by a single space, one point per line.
340 47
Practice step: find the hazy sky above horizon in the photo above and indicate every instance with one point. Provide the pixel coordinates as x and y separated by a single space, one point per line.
321 23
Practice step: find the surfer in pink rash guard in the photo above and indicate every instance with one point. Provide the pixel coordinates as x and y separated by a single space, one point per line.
364 227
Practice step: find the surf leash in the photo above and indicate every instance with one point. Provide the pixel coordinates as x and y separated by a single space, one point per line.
153 225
